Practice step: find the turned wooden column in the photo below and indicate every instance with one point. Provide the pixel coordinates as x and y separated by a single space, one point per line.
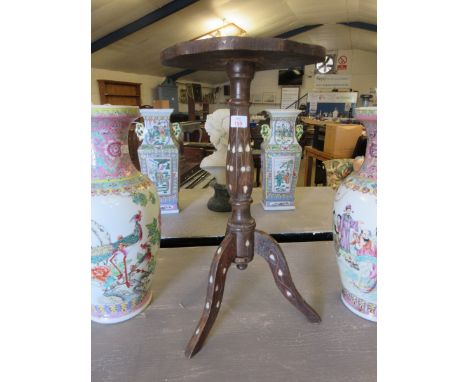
239 162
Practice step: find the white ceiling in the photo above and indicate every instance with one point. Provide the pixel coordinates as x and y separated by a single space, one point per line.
139 52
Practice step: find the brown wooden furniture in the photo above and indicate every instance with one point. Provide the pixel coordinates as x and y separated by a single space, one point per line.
119 93
311 154
241 57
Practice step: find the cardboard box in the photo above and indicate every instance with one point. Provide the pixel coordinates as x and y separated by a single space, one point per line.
340 139
161 104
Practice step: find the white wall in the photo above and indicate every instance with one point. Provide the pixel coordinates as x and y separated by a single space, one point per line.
148 83
362 66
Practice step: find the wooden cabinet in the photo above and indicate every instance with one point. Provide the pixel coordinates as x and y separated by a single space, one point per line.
119 93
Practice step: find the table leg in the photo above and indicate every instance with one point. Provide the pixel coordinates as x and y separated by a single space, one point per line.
269 249
224 257
307 169
313 172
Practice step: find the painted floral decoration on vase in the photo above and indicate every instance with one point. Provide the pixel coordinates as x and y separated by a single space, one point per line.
125 221
158 155
355 227
281 156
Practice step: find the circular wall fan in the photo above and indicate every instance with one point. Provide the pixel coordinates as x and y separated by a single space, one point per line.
326 66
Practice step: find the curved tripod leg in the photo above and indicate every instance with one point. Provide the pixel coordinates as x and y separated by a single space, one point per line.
269 249
225 255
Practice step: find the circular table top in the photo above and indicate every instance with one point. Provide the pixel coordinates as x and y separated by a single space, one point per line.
266 53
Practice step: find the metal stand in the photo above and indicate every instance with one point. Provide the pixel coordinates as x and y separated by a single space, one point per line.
241 56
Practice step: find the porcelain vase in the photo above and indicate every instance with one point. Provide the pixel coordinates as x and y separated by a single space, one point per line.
125 221
281 157
159 155
355 227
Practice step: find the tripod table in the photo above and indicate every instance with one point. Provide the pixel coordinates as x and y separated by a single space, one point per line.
241 57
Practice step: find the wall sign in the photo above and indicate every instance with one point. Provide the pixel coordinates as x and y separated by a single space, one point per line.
342 63
332 81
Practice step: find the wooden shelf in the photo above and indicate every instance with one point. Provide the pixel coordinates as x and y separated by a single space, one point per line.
119 92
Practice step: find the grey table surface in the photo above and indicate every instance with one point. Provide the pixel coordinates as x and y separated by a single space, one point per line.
313 213
258 335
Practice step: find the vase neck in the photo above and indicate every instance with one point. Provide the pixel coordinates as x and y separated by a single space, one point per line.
157 130
110 158
283 131
369 167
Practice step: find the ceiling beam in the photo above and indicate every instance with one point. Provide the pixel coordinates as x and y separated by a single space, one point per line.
177 75
361 25
287 34
142 22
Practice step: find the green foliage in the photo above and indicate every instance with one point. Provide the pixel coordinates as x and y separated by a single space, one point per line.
153 232
152 198
140 198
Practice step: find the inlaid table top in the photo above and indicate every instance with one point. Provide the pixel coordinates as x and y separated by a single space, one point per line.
267 53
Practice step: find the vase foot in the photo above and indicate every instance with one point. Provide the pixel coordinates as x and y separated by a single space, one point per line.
285 207
115 320
167 212
367 316
169 209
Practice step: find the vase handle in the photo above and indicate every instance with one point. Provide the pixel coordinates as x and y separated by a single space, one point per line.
265 131
299 131
176 129
139 130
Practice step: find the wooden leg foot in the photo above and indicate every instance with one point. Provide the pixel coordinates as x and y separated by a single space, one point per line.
223 258
270 250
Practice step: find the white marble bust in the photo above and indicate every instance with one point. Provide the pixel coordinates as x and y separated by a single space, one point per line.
217 127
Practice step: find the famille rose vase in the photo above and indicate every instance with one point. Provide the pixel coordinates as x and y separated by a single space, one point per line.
125 221
355 227
159 155
281 157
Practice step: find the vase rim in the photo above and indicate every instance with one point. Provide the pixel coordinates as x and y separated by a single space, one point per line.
109 106
116 109
368 112
156 111
284 111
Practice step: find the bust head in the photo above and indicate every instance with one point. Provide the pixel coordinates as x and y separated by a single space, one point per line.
217 127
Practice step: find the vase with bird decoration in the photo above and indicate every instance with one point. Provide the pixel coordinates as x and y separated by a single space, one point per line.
125 220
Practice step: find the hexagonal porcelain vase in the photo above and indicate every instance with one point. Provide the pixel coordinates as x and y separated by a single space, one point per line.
281 157
159 157
125 221
355 227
